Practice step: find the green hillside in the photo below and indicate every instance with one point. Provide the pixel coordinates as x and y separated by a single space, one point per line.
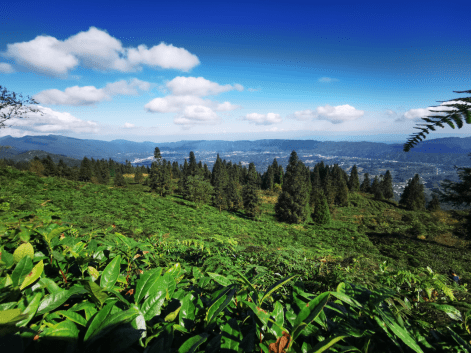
81 266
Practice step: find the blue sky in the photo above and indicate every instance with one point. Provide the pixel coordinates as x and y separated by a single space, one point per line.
152 71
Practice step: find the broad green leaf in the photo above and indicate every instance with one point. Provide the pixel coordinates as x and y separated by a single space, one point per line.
25 249
98 319
170 285
248 283
139 323
341 287
312 309
51 231
175 270
8 281
191 344
214 310
11 316
345 298
22 269
187 312
6 259
31 309
145 283
74 317
152 305
172 316
110 273
53 301
452 312
275 286
399 331
49 284
111 321
8 305
231 336
64 331
33 275
263 315
326 344
278 313
99 296
459 340
93 273
220 279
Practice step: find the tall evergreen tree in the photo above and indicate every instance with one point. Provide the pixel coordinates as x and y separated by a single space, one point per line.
293 203
457 193
340 185
354 180
119 180
138 176
50 169
199 190
320 215
36 166
315 178
413 196
85 172
251 199
434 204
365 186
376 190
386 186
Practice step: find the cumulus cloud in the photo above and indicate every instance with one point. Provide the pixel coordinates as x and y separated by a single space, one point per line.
89 95
198 86
336 114
6 68
197 114
327 79
129 125
263 119
95 49
54 121
415 114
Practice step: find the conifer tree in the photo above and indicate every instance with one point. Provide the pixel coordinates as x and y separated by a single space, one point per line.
386 186
138 176
50 169
233 197
36 166
354 180
376 190
105 174
250 196
62 169
340 184
119 179
320 215
413 196
315 178
329 188
434 204
85 172
199 190
365 186
457 193
293 203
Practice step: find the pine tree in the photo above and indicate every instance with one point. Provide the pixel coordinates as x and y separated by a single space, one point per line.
50 169
62 169
233 197
457 193
36 166
138 176
340 184
413 196
85 172
354 180
376 190
105 174
315 178
320 215
386 186
119 179
250 196
365 186
434 204
293 203
199 190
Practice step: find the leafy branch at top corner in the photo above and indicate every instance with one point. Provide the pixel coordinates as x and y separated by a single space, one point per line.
13 105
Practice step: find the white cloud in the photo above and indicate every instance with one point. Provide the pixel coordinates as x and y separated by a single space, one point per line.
263 119
307 114
53 121
129 125
95 49
198 86
415 114
197 114
338 114
226 106
254 89
89 95
6 68
327 79
172 103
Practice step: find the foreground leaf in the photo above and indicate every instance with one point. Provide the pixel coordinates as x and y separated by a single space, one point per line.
191 344
33 275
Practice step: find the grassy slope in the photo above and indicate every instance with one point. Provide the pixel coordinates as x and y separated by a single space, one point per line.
371 231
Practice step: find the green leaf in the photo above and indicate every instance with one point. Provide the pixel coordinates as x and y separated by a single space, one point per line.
326 344
6 259
22 269
341 288
172 316
53 301
220 279
174 271
187 312
99 296
51 231
31 309
98 319
33 275
260 313
145 283
93 273
65 331
139 323
248 283
231 336
25 249
152 305
345 298
49 284
163 342
312 309
219 305
452 312
191 344
275 286
11 316
278 313
110 273
74 317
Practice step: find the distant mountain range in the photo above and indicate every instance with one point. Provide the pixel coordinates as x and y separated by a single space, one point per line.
440 151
